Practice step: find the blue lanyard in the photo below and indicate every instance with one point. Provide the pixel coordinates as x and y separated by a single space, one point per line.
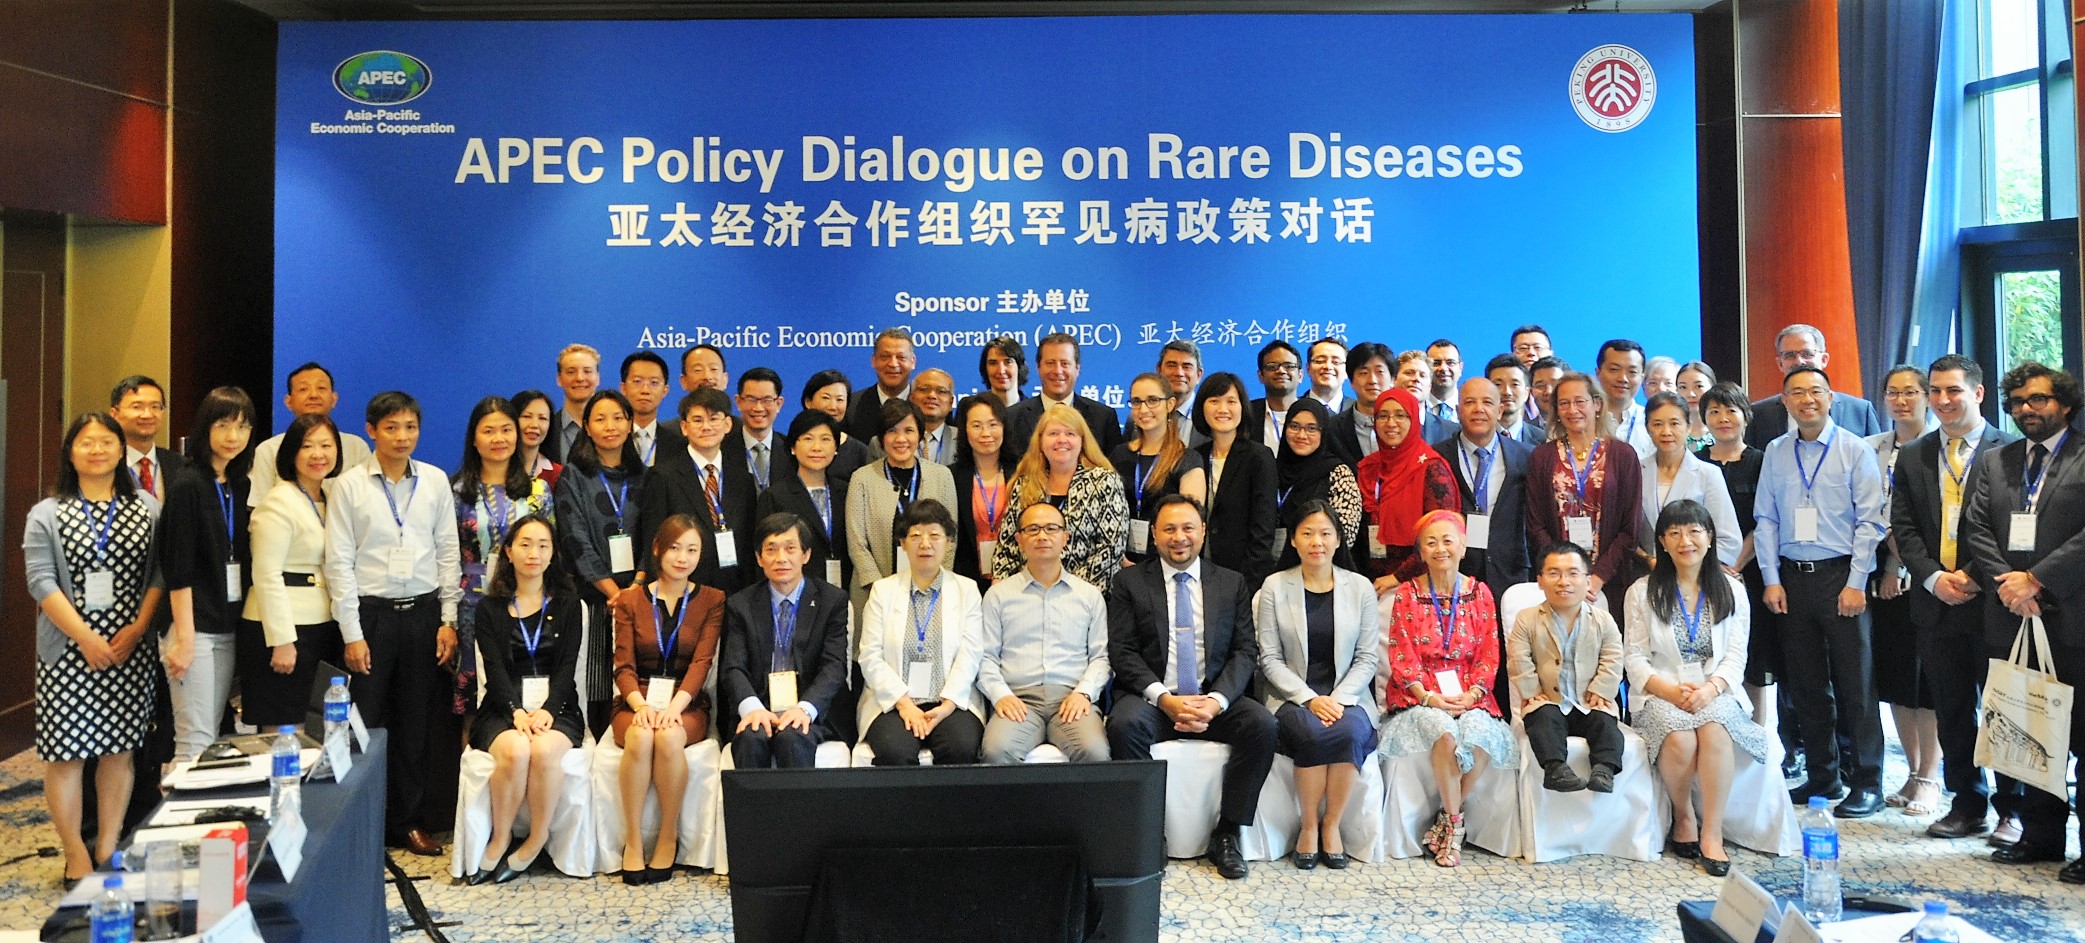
910 493
1809 478
1581 474
753 467
1947 461
651 447
308 499
825 510
1480 480
384 485
532 640
1693 619
1445 619
1142 472
991 503
499 512
667 643
224 502
2031 488
617 502
1629 431
920 623
101 534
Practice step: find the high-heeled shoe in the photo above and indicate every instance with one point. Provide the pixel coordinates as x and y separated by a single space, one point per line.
1449 854
1716 867
1432 839
484 875
638 876
660 875
1304 860
506 871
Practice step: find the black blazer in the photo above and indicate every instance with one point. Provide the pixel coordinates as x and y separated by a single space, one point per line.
964 471
1340 437
193 545
673 487
1242 511
1915 515
1255 421
865 412
819 651
789 495
670 441
1505 562
1139 644
1022 417
781 463
1849 412
2058 558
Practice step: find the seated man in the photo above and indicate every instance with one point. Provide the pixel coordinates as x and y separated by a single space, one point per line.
1565 659
783 659
1045 651
1182 645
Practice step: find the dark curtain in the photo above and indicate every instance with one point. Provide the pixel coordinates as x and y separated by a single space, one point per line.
1889 56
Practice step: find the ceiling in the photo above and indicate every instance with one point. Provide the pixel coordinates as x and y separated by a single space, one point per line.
700 9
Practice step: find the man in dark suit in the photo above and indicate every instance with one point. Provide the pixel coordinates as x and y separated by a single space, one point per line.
706 484
1281 368
1500 557
894 359
1352 432
2024 525
1932 479
1511 378
1182 646
754 441
140 406
1057 365
778 707
1800 345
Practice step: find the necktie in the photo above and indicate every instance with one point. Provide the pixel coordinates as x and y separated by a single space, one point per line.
1481 488
715 493
151 484
644 445
1190 681
785 633
760 463
1950 503
930 651
2035 457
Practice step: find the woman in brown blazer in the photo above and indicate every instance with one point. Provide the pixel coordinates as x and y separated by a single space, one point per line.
660 706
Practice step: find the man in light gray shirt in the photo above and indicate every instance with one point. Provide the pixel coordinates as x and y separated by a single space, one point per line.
1045 652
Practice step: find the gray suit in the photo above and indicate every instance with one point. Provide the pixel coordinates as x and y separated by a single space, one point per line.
1357 637
872 512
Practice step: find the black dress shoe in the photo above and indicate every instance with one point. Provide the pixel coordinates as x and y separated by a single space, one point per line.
2072 873
1601 780
1960 824
1687 849
1560 778
1305 860
1338 860
483 875
1225 854
1862 803
637 877
1716 867
2023 853
506 871
1832 792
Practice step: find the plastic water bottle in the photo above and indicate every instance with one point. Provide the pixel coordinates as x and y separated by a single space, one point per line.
1821 902
1936 927
337 703
285 783
163 891
112 918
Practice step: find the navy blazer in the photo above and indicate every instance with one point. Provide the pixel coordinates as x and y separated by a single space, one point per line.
1243 511
1505 562
2058 557
819 650
1849 412
1140 642
674 487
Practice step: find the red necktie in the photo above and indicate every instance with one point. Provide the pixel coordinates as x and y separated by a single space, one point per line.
145 479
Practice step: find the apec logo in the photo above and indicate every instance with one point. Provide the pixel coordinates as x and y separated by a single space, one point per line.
382 77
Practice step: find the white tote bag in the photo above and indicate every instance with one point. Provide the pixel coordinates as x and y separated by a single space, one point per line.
2026 731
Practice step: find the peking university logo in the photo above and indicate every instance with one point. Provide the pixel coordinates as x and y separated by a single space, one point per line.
1613 88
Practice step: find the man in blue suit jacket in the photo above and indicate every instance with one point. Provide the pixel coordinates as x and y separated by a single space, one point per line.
1800 345
808 617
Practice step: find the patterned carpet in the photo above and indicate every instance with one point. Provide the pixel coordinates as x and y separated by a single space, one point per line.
1487 900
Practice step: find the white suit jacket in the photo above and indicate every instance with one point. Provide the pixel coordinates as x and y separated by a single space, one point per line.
887 631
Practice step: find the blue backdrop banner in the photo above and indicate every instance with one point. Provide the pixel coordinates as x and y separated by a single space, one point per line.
457 201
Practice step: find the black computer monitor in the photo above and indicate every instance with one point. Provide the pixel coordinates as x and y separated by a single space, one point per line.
778 825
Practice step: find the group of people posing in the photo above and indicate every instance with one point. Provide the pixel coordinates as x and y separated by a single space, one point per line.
1315 572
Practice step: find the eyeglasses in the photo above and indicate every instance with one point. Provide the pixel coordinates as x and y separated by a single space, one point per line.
1301 429
1039 530
1281 368
2031 400
1147 402
146 407
1447 362
644 383
1903 394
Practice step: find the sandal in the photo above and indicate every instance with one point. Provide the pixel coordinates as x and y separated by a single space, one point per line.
1432 841
1449 854
1923 807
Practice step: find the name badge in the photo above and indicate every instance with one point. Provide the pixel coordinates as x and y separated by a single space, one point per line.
1140 536
781 690
1376 549
398 564
535 690
492 564
727 549
1449 681
1281 540
1806 525
1579 530
832 571
101 589
659 694
919 682
620 557
233 589
1479 527
1951 522
1691 673
2022 535
986 549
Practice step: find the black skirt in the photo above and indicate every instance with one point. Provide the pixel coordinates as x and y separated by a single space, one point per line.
268 699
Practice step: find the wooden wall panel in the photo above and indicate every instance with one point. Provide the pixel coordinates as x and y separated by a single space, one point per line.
70 148
32 317
117 45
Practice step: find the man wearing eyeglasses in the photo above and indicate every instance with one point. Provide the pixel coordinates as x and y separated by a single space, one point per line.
1528 344
1281 368
934 392
1045 652
759 403
643 383
1800 345
2024 525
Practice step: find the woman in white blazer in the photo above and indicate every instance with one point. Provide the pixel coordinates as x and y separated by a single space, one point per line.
878 494
1685 628
921 634
1318 634
1672 472
287 627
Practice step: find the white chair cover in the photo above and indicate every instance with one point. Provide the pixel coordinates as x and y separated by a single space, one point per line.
1758 815
1046 753
832 754
1279 819
698 839
1491 812
571 819
1194 797
1630 823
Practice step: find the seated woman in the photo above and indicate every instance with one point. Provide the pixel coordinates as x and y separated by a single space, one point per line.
920 639
666 635
1318 637
1155 462
1685 628
1443 633
1404 479
528 643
